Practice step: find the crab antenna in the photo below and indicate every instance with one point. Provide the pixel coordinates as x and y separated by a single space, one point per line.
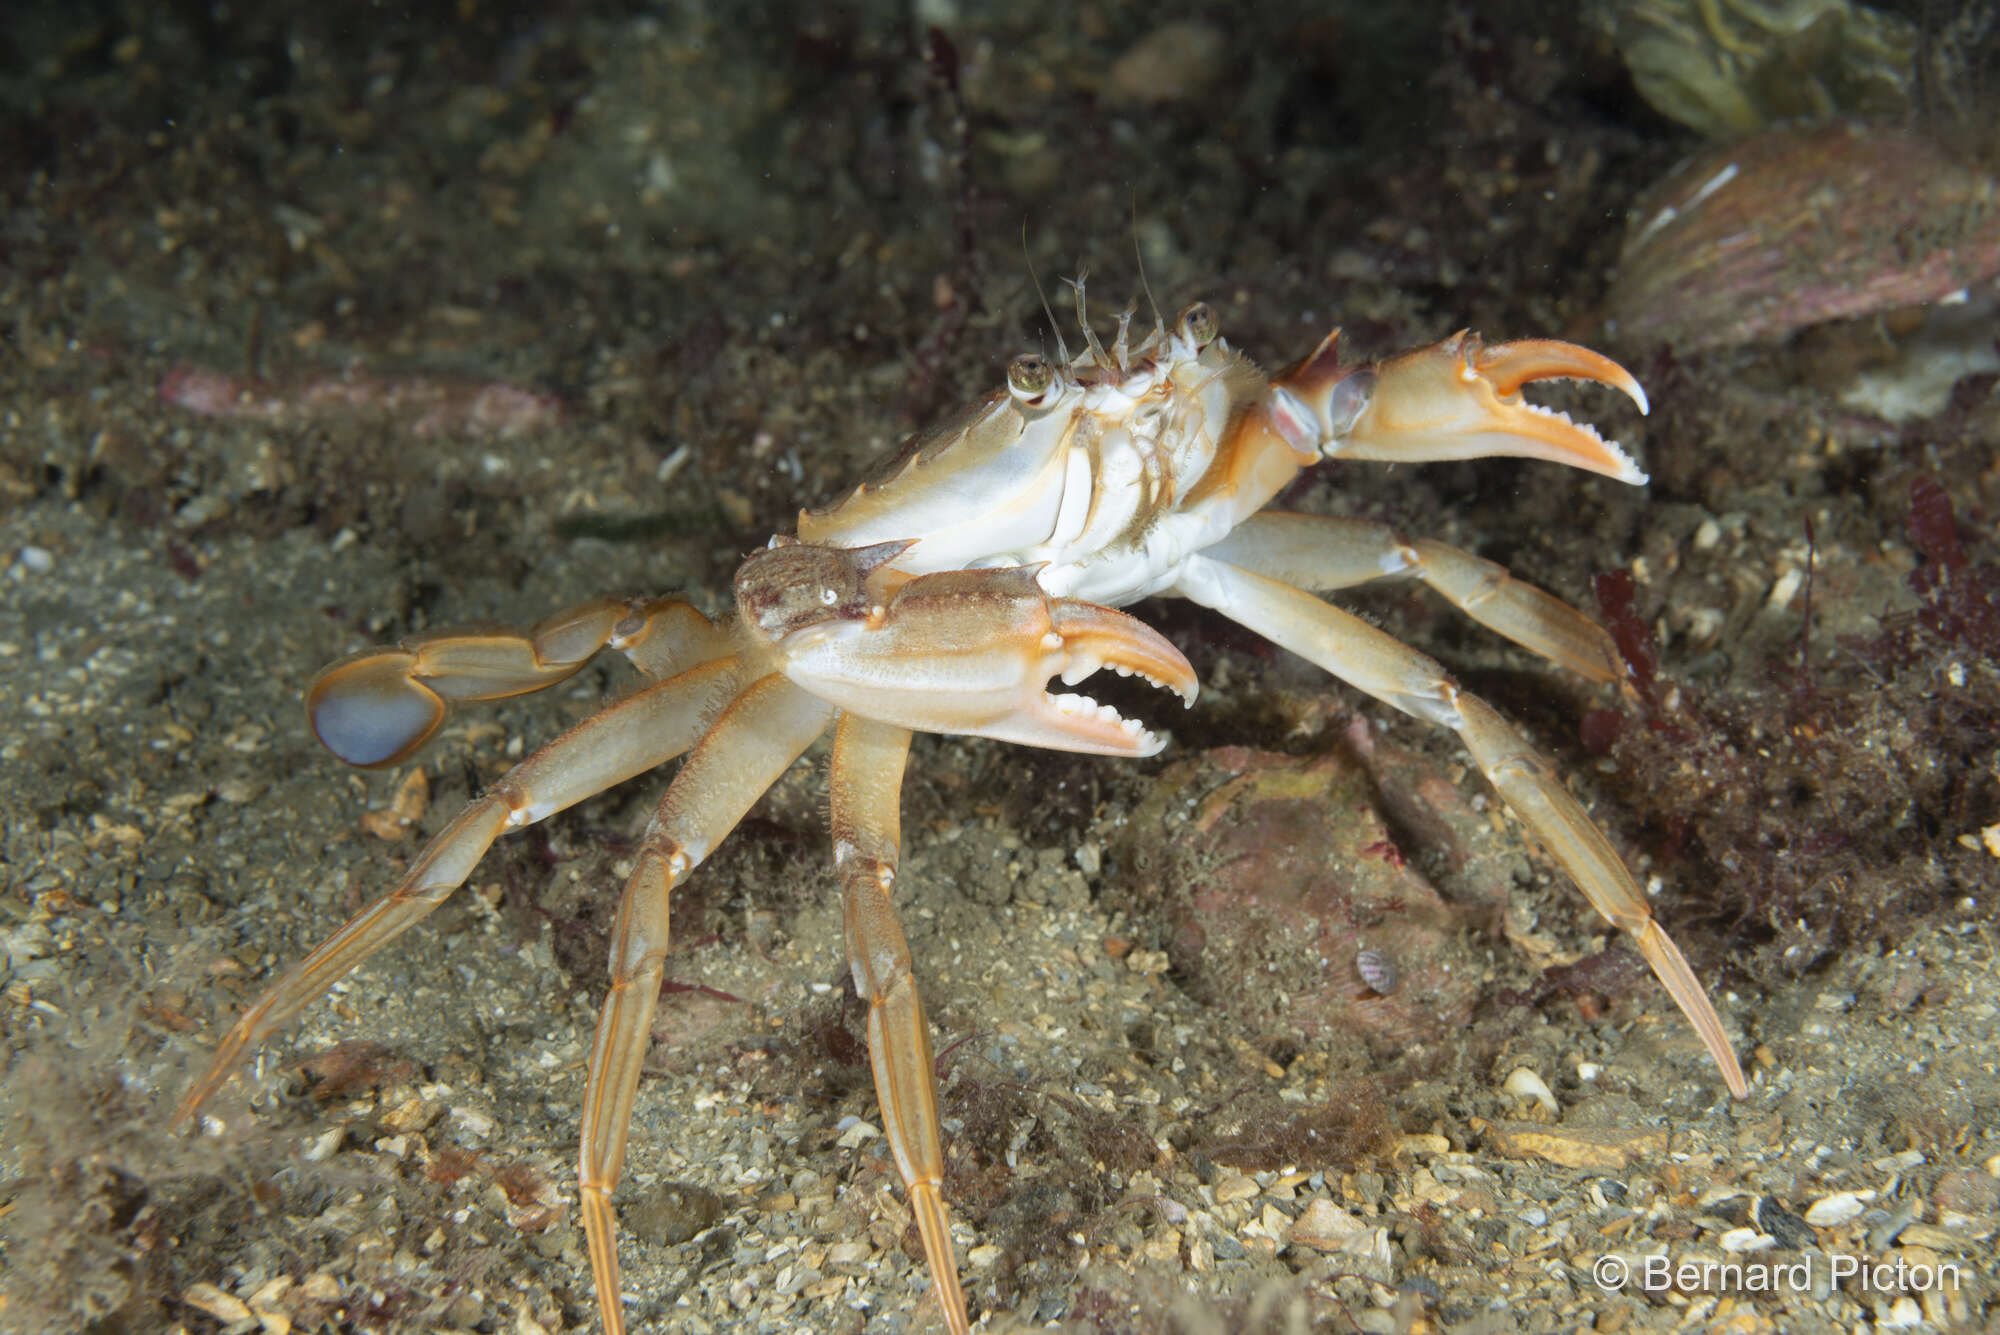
1139 254
1062 350
1083 318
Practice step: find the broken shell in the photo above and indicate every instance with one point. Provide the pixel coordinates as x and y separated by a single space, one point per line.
1835 1210
1325 1227
1525 1084
1377 970
1800 225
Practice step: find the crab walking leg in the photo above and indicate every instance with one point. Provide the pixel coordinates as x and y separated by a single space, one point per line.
867 788
1320 553
751 745
1397 675
377 707
646 729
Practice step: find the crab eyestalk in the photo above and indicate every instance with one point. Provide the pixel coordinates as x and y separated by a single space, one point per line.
962 651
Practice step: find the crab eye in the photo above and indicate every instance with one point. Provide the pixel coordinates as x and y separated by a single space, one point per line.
1029 377
1197 325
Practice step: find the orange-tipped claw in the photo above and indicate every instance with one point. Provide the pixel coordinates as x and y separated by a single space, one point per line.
1511 365
1460 399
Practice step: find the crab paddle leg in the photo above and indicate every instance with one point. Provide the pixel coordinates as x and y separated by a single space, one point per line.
751 745
646 729
1395 674
867 788
375 708
1322 553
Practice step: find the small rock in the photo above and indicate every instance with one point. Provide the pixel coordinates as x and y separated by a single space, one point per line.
474 1124
857 1135
1234 1186
224 1307
1929 1235
848 1253
1835 1210
411 1115
1745 1240
1903 1314
1602 1149
1176 62
1790 1231
1325 1227
673 1212
1967 1190
321 1287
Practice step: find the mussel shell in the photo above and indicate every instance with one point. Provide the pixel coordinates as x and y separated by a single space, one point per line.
1798 225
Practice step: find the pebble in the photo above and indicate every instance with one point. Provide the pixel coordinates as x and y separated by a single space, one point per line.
857 1135
1600 1149
474 1124
1325 1227
669 1213
411 1115
1745 1240
321 1287
1835 1210
1234 1186
1902 1315
224 1307
1790 1230
1177 62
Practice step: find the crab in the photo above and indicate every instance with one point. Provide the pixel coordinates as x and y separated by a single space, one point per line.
944 595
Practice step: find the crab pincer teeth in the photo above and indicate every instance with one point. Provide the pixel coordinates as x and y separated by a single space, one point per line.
1094 637
1101 728
1508 366
1083 639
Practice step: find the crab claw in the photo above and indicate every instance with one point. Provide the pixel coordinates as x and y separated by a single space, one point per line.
1460 399
962 651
